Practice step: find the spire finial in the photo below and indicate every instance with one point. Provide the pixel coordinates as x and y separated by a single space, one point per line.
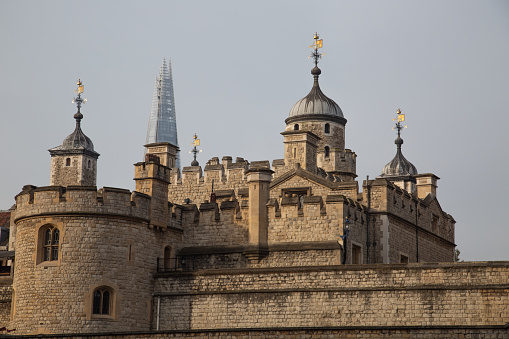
316 45
399 127
79 101
195 150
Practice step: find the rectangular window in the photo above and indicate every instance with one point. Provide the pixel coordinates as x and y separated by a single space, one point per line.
434 224
356 255
403 259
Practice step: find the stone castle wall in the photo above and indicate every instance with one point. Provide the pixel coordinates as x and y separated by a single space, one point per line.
105 241
447 332
387 197
214 225
5 301
420 295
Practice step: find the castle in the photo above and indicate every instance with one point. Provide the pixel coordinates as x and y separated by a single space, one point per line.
243 248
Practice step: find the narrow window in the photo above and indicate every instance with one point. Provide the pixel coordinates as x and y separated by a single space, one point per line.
89 164
106 302
68 162
101 304
296 127
327 128
169 262
97 302
356 254
327 151
50 244
434 224
294 152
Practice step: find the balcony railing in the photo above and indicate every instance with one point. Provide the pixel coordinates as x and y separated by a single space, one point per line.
179 263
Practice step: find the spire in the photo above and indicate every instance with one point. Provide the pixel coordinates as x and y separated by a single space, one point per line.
162 126
399 165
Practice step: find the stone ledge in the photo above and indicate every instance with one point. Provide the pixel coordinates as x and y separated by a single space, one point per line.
337 289
363 267
292 332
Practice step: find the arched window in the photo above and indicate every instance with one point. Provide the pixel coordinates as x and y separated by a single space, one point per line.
296 127
102 301
68 162
327 128
50 244
327 151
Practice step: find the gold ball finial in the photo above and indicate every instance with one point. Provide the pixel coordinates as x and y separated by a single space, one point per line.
398 111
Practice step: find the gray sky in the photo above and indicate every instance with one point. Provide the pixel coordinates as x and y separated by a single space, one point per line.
238 67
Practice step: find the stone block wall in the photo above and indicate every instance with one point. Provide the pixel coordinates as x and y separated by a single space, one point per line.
420 295
485 332
390 198
214 225
5 300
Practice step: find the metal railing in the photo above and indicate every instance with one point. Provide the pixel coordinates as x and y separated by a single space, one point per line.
178 263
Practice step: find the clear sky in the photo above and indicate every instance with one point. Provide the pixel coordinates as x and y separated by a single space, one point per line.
239 66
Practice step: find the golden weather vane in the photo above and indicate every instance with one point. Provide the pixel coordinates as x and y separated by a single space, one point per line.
400 118
79 100
316 45
195 150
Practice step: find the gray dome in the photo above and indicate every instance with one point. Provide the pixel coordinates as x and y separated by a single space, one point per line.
316 102
77 140
399 166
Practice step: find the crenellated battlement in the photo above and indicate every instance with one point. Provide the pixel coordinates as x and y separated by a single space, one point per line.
74 200
389 197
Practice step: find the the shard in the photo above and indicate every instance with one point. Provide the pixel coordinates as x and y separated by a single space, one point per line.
162 125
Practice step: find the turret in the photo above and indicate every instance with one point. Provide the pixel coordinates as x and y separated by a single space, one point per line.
152 179
322 116
259 188
74 163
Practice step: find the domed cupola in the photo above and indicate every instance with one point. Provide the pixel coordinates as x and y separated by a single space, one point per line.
316 102
399 166
316 106
75 161
399 170
77 140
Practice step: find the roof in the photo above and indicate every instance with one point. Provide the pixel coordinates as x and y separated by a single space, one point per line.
399 165
316 102
75 142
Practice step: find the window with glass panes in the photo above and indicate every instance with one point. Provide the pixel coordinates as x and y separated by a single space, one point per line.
50 244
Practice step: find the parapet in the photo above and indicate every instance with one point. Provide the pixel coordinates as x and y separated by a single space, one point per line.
83 200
